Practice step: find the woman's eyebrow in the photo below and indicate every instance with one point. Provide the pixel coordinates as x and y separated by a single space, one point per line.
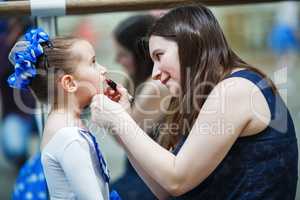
154 52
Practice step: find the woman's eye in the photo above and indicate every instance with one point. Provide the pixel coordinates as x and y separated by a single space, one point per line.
158 56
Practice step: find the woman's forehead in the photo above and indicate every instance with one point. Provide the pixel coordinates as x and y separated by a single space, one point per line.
155 39
158 42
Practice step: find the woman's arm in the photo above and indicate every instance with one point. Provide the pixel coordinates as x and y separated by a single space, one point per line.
148 109
157 190
222 118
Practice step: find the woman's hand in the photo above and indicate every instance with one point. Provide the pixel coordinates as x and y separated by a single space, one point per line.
120 95
105 112
110 108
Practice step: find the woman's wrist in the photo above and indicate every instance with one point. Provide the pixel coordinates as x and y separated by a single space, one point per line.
124 124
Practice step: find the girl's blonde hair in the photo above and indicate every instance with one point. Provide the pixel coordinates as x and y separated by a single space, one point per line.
57 58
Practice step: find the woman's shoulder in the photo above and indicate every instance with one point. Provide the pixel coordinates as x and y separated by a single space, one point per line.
242 99
241 84
234 86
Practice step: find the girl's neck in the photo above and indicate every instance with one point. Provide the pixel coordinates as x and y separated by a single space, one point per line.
70 111
68 105
67 114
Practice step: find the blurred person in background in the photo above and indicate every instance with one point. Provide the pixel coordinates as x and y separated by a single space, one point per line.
284 43
128 40
17 126
283 39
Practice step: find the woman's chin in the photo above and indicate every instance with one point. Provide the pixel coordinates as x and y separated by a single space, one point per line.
174 90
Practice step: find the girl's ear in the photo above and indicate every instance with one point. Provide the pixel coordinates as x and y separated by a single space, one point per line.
68 83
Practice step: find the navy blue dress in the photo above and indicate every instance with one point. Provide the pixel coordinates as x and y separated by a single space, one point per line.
262 166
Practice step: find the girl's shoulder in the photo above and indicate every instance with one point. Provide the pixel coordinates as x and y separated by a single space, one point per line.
60 138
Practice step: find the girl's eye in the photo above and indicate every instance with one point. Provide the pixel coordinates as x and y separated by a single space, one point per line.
94 63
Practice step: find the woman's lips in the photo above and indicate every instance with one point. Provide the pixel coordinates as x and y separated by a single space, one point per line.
164 81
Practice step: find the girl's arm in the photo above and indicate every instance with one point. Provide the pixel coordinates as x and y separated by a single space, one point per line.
222 118
77 165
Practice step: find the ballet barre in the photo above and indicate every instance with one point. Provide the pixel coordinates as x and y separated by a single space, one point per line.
47 8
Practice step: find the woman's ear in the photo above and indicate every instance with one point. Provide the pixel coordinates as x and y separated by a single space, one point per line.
68 83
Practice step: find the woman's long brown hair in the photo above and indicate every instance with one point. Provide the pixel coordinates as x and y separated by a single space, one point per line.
205 60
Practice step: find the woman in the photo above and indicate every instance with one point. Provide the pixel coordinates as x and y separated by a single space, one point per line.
128 40
235 138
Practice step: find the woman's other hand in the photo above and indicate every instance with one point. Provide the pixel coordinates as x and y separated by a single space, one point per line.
120 95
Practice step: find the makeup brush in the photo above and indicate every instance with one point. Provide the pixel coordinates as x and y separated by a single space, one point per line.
113 85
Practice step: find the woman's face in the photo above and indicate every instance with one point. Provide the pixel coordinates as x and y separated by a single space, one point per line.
125 58
89 75
164 54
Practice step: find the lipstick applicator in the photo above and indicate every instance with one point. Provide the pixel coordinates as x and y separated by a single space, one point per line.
113 85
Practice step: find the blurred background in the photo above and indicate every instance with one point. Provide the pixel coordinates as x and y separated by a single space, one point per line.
265 35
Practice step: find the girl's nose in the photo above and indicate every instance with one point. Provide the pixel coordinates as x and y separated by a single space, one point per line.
103 70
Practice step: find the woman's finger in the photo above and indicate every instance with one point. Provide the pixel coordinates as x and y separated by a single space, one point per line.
121 90
113 96
105 92
109 91
116 98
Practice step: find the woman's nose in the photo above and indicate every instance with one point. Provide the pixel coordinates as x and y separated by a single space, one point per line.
156 73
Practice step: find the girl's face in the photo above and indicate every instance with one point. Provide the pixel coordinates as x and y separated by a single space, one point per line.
164 54
89 75
125 58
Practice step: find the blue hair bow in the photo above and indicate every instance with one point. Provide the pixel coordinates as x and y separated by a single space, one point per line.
26 59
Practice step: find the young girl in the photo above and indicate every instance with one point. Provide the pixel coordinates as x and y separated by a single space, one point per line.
64 74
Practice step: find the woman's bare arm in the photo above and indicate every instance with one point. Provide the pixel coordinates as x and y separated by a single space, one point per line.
147 110
156 189
206 145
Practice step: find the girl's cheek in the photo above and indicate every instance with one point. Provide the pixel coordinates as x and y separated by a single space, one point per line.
102 83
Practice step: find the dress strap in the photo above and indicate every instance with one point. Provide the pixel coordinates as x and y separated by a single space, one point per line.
261 83
103 166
